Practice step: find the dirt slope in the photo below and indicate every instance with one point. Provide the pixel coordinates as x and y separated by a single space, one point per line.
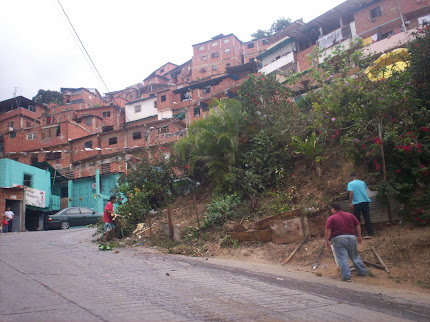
404 248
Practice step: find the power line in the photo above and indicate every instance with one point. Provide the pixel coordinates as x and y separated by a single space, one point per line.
101 78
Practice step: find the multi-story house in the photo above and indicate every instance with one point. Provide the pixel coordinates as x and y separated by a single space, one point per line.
382 24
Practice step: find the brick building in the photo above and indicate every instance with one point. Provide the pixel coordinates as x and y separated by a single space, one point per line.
382 24
90 140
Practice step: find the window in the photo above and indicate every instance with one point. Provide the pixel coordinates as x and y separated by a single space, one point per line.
228 64
28 180
86 211
34 158
163 98
251 45
215 67
226 41
214 44
162 71
164 129
206 90
196 111
105 168
201 47
64 192
106 114
386 35
27 124
375 12
88 121
203 70
32 108
265 42
88 144
51 132
31 136
53 155
137 135
73 212
137 109
113 141
12 135
186 96
251 60
130 96
107 128
204 57
215 55
155 104
11 124
227 51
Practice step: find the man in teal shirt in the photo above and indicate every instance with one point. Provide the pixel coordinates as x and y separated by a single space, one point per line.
359 201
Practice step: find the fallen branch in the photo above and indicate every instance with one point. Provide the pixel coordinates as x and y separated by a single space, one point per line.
374 265
380 260
295 251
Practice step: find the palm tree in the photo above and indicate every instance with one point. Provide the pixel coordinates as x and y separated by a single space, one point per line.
214 143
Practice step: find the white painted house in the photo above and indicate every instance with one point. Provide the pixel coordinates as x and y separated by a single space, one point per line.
141 109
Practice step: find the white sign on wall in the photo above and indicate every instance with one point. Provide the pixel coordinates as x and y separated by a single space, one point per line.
34 197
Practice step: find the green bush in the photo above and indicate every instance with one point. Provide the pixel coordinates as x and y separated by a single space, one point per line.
220 210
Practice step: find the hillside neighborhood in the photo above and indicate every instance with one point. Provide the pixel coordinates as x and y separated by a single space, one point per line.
54 156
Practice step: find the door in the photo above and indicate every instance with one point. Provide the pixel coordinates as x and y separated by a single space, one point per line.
89 216
74 216
15 223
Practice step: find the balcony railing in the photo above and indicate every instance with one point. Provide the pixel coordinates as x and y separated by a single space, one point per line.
278 64
392 42
339 37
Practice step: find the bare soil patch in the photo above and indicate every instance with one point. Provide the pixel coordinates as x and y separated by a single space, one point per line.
404 248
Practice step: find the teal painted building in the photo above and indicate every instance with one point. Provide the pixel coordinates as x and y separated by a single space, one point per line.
38 199
91 192
46 191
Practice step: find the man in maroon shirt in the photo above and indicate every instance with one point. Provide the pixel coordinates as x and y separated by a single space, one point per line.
342 229
108 217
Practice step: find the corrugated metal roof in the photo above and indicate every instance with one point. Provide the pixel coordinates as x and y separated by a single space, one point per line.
378 211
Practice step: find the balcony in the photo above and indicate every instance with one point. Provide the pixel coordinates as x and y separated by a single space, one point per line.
390 43
278 64
340 37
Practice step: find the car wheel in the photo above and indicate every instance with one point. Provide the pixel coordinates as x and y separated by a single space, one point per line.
64 225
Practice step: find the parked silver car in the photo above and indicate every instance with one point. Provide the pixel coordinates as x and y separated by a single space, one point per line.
73 216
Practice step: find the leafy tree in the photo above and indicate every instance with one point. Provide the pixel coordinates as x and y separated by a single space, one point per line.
278 25
420 64
269 117
384 124
259 34
46 97
148 184
213 143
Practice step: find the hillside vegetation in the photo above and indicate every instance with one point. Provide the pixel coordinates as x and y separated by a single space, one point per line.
271 149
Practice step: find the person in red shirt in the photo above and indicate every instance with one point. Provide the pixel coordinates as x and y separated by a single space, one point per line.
108 219
344 232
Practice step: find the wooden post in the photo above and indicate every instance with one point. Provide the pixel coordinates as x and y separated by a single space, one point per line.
295 251
169 220
384 169
149 224
380 260
197 216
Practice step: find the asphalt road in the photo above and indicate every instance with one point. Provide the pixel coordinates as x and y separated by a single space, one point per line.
62 276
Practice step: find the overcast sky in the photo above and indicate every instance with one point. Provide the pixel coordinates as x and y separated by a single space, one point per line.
126 39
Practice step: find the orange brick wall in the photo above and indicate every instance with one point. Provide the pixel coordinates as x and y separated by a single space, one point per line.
302 59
